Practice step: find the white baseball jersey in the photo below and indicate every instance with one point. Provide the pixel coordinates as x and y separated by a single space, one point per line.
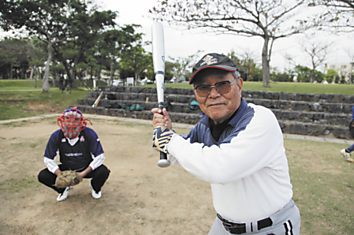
246 167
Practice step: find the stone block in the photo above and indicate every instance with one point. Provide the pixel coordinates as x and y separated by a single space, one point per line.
299 106
284 96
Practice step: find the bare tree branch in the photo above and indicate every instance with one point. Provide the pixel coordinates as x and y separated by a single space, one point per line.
269 19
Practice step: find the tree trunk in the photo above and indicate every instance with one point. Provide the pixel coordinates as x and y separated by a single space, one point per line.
265 63
35 80
111 74
11 71
45 87
313 72
31 75
136 79
73 83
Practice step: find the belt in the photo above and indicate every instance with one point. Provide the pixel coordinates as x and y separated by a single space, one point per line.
239 228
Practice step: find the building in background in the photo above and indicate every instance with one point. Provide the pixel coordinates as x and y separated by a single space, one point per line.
343 70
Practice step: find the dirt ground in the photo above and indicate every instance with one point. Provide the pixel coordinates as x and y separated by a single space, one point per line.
138 198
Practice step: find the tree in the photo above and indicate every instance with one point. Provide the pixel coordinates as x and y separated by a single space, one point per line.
182 66
14 57
283 77
86 29
339 15
54 22
169 68
268 19
116 42
303 73
331 75
36 56
317 52
136 59
246 65
46 19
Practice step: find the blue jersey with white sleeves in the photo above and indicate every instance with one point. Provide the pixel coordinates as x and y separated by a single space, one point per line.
246 167
76 155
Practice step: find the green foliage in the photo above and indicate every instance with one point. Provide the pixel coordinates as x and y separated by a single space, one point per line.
331 75
137 59
13 52
68 27
303 73
281 77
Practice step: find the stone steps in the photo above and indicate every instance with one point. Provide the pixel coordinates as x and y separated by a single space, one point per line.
306 114
281 114
324 98
289 127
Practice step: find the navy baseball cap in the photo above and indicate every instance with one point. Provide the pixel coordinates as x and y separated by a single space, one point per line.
213 60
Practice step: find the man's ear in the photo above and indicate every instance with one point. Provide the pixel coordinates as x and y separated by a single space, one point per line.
240 84
195 93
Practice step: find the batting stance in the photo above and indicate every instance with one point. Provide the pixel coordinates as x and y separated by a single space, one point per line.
79 150
238 148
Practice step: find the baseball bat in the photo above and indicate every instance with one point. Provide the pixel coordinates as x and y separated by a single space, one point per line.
158 55
97 100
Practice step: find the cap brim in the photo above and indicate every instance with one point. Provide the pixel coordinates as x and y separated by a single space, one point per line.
225 68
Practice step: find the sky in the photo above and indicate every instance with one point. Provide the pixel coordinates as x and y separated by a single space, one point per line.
182 43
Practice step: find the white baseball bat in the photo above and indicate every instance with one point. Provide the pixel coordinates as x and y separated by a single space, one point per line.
97 100
158 55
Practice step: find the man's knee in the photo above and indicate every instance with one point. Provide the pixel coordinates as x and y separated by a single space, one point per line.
102 172
42 176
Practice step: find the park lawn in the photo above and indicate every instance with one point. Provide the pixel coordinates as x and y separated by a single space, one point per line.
21 104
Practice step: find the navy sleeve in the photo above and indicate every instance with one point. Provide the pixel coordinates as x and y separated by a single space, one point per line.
52 145
94 142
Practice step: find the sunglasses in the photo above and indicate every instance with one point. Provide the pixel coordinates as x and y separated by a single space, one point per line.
222 88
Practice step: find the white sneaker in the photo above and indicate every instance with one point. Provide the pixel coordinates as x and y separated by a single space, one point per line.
346 155
64 194
94 194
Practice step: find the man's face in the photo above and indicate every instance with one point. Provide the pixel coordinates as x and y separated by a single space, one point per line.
71 125
72 121
219 107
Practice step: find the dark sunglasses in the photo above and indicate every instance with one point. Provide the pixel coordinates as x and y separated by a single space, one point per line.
222 88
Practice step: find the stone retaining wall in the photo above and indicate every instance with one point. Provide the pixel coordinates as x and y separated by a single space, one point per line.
324 115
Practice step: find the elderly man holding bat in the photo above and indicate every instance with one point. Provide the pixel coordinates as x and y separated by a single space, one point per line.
238 148
81 156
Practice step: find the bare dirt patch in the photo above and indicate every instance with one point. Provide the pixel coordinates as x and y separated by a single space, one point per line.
138 198
141 198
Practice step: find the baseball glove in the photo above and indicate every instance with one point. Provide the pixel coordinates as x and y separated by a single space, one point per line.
67 178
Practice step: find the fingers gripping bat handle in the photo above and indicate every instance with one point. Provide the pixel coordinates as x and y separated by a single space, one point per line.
163 162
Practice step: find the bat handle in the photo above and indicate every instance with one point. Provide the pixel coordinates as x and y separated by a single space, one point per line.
163 162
